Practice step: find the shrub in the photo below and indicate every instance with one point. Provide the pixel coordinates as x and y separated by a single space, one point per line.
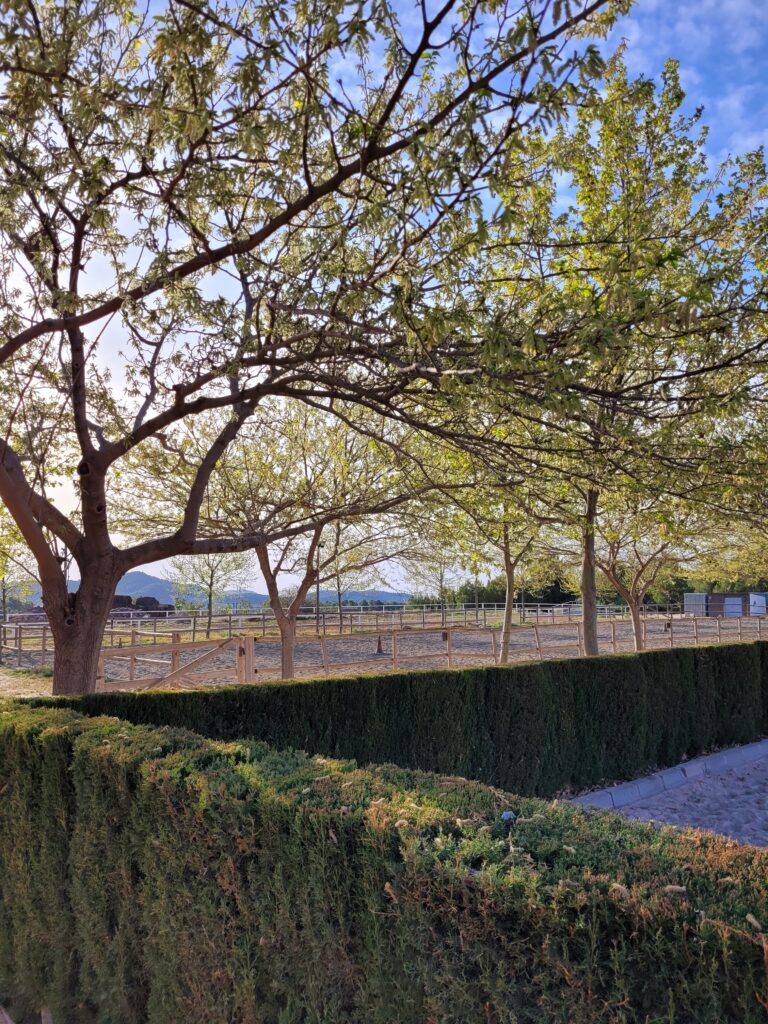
162 877
535 729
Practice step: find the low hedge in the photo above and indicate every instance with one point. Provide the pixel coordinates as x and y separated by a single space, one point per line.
150 875
535 729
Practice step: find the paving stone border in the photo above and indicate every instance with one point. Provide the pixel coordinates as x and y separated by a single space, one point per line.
615 798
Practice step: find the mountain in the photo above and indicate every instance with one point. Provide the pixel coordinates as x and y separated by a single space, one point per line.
143 584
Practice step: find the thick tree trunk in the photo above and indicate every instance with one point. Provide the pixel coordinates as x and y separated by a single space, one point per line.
288 646
78 628
588 583
637 623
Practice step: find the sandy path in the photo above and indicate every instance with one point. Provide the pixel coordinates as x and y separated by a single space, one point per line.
734 803
18 684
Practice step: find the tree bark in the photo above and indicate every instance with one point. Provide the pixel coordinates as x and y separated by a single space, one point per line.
637 623
288 647
588 583
77 626
509 570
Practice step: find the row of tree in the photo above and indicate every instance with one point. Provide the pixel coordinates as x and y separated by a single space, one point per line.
313 280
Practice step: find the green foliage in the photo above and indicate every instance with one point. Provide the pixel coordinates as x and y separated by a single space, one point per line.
161 877
533 729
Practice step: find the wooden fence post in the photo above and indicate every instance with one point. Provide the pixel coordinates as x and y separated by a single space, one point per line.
19 643
132 657
719 633
759 624
671 633
240 659
695 631
394 651
538 640
175 653
613 635
449 647
738 626
580 638
250 657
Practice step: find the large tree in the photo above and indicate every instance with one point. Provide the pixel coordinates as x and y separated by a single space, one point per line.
196 212
651 273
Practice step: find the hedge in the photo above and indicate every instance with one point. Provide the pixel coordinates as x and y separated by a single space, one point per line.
150 875
536 729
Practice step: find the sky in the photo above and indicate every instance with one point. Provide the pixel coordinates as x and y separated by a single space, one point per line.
722 48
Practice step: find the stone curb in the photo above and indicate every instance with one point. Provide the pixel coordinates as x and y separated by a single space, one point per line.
617 797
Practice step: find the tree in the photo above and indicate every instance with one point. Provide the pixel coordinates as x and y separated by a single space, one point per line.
208 577
651 268
197 213
313 494
641 538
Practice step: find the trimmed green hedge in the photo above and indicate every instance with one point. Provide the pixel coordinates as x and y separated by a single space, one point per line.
149 875
535 729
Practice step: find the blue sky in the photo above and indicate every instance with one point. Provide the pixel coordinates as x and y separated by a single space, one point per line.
722 47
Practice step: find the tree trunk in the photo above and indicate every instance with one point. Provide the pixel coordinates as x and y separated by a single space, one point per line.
588 583
339 602
78 628
508 611
288 646
210 616
4 620
637 622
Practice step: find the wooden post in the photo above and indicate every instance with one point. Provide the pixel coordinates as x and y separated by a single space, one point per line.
194 627
19 642
644 632
695 631
394 651
240 655
132 657
759 624
738 626
613 635
580 638
494 648
449 647
719 633
230 625
538 639
671 633
175 653
250 658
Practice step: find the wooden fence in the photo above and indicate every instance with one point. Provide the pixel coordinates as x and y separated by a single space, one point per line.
152 660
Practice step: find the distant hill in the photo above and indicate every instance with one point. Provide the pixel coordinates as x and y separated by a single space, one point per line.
143 584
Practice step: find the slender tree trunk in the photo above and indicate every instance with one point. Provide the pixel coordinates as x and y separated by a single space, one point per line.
509 571
288 647
588 583
4 619
77 626
210 615
339 602
637 622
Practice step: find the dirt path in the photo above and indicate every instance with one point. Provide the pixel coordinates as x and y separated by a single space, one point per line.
23 684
